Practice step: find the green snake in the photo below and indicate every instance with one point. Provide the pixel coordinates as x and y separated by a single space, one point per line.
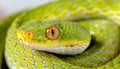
86 32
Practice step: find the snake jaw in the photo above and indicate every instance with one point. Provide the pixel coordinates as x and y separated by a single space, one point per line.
64 50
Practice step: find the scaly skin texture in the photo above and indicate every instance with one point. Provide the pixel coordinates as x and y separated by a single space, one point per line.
100 17
36 38
4 25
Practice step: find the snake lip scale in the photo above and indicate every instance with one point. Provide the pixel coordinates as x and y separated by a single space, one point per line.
58 50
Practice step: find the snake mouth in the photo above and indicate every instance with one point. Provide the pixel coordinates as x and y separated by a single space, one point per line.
64 50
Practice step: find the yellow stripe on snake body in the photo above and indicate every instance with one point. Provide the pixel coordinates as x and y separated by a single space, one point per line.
100 17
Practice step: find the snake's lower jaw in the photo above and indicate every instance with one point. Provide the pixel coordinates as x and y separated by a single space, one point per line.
64 50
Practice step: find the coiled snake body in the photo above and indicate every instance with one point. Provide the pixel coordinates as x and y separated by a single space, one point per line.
100 17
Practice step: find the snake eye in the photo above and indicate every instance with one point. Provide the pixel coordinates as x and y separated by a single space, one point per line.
52 32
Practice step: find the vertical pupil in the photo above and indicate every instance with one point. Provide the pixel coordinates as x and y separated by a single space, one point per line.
52 33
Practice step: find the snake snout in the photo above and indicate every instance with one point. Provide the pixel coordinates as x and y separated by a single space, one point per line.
24 36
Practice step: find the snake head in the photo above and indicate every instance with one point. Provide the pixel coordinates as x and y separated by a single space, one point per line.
60 37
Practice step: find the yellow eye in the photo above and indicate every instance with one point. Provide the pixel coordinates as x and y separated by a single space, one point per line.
52 32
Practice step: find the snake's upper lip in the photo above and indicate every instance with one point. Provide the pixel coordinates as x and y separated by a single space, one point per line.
64 50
